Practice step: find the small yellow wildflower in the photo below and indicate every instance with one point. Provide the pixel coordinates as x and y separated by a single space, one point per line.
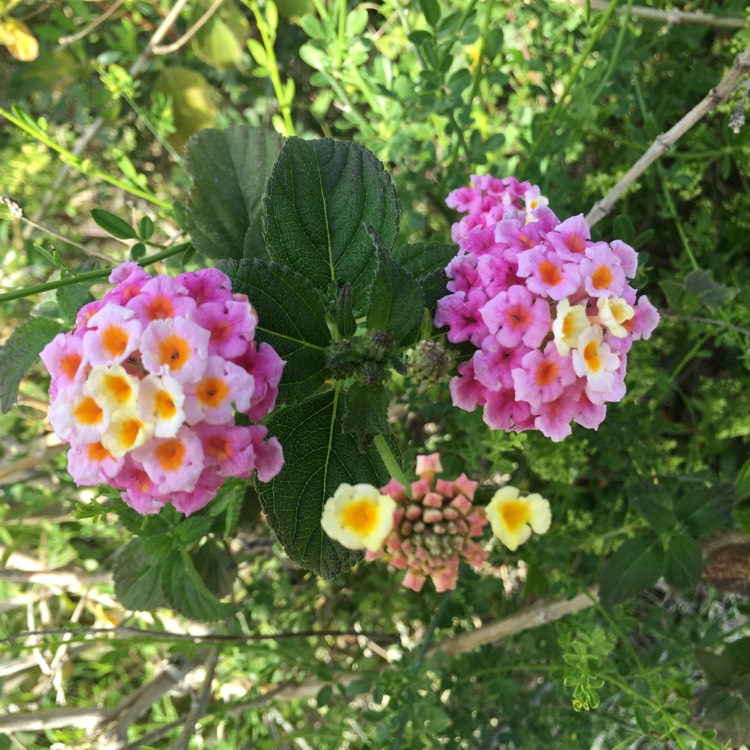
358 516
513 518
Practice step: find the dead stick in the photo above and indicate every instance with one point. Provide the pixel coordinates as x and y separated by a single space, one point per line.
665 141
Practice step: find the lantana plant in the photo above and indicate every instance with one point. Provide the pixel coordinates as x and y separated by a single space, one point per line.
276 368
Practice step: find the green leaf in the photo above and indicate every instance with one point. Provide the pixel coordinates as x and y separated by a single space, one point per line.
712 293
318 200
137 580
431 10
396 301
706 509
635 566
365 413
112 224
19 352
654 503
291 319
319 457
684 561
426 262
145 228
187 593
216 567
229 170
343 314
70 299
718 669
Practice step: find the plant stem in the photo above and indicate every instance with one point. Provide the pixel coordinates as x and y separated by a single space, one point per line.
92 276
390 461
77 163
571 79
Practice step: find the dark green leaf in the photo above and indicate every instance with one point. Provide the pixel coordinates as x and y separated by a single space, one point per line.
20 351
324 695
319 457
70 299
343 315
137 580
654 503
365 413
319 197
426 262
684 561
431 10
635 566
112 224
717 667
145 228
137 251
187 593
193 528
706 509
229 170
216 567
291 319
396 301
738 652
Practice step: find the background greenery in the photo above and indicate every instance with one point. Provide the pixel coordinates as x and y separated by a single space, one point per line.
554 92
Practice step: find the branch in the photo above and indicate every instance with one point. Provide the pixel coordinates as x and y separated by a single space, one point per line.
165 49
665 141
673 16
70 38
198 709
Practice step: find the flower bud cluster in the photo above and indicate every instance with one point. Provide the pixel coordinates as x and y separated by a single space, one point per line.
552 314
145 389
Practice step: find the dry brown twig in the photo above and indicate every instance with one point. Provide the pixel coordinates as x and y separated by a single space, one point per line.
672 17
665 141
165 49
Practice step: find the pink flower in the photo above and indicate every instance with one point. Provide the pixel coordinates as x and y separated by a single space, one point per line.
461 312
173 464
601 272
570 238
553 417
162 298
516 317
466 391
177 347
63 357
543 375
207 285
231 323
494 364
502 411
112 335
265 365
645 319
222 384
547 275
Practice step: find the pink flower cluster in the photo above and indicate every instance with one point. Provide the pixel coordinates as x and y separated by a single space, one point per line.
433 529
552 314
146 386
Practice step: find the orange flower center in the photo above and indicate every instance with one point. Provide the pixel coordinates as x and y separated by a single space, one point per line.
165 408
115 341
219 448
360 516
88 412
159 308
601 278
575 243
518 316
591 356
546 372
129 431
170 455
118 387
69 365
212 391
549 273
173 352
97 452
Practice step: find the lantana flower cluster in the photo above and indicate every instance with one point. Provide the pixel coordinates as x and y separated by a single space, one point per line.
145 389
552 314
429 529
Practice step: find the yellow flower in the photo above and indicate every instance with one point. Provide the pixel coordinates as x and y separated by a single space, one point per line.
570 322
513 518
613 312
358 516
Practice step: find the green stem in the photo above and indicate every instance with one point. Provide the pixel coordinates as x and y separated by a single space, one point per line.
92 276
273 68
480 53
390 461
77 163
660 709
571 79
